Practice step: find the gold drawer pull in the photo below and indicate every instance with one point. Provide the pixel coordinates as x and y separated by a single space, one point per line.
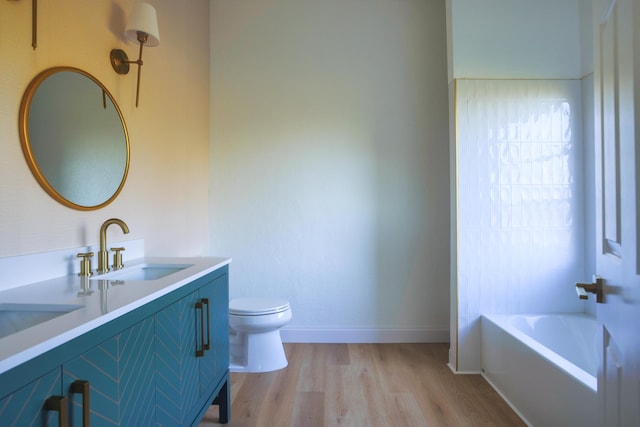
200 351
59 404
207 345
82 387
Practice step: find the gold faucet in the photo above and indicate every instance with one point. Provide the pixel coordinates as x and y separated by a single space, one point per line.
103 255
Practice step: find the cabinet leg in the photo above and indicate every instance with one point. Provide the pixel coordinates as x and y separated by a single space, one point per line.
223 400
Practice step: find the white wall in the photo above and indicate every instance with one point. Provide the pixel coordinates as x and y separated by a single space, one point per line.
330 176
165 199
586 38
516 39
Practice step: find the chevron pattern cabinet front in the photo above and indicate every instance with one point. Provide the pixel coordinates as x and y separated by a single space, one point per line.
120 372
25 407
185 379
176 363
216 360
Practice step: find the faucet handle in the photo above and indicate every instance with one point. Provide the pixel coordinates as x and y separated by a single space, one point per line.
117 258
85 264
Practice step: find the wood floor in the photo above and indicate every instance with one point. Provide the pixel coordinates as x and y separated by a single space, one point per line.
364 385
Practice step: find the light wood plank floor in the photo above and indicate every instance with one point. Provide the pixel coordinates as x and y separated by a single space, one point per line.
364 385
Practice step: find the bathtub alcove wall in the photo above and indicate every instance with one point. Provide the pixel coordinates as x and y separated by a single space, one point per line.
521 88
520 198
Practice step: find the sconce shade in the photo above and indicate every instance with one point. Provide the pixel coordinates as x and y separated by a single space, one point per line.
143 18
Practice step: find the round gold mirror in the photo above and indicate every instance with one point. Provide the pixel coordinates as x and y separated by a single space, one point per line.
74 138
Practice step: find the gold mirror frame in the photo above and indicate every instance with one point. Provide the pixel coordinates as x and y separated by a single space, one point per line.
28 147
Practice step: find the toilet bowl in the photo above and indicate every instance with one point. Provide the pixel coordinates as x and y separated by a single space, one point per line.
254 334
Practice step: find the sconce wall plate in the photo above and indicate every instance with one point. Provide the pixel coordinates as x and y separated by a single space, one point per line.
119 61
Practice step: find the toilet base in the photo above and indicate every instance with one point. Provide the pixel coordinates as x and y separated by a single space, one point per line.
256 352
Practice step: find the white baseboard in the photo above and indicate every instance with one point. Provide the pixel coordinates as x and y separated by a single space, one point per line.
463 372
375 336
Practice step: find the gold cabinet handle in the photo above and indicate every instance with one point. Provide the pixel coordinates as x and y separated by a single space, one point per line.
59 404
207 345
200 351
82 387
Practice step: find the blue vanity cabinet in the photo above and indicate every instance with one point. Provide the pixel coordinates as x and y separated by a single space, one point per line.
28 405
119 376
163 363
192 355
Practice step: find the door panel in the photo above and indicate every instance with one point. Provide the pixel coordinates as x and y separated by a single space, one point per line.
610 136
617 92
612 380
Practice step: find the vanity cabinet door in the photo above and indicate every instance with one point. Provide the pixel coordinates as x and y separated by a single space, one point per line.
119 375
27 406
192 353
215 362
176 363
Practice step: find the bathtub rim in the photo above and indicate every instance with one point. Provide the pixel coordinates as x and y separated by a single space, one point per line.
502 322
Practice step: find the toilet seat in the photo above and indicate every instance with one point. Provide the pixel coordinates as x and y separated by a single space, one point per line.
257 306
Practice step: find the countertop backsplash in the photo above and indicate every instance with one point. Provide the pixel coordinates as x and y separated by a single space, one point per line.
32 268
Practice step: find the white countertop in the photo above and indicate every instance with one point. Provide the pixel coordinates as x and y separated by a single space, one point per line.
109 300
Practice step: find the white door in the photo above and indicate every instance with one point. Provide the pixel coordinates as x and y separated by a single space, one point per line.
617 91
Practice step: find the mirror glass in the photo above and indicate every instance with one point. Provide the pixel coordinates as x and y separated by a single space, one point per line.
74 138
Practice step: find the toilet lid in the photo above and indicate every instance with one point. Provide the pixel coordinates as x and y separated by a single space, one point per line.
257 306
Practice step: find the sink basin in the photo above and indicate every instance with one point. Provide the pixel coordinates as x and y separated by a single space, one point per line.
15 317
143 272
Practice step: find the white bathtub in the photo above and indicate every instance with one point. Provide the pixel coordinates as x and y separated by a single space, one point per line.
545 366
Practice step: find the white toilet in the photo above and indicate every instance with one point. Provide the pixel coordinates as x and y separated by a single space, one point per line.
254 334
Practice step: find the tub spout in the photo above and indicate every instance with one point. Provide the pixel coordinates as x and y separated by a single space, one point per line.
595 288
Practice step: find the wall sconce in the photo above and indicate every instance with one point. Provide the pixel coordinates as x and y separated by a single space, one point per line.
142 28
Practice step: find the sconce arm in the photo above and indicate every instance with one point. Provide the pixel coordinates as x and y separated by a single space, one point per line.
120 61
